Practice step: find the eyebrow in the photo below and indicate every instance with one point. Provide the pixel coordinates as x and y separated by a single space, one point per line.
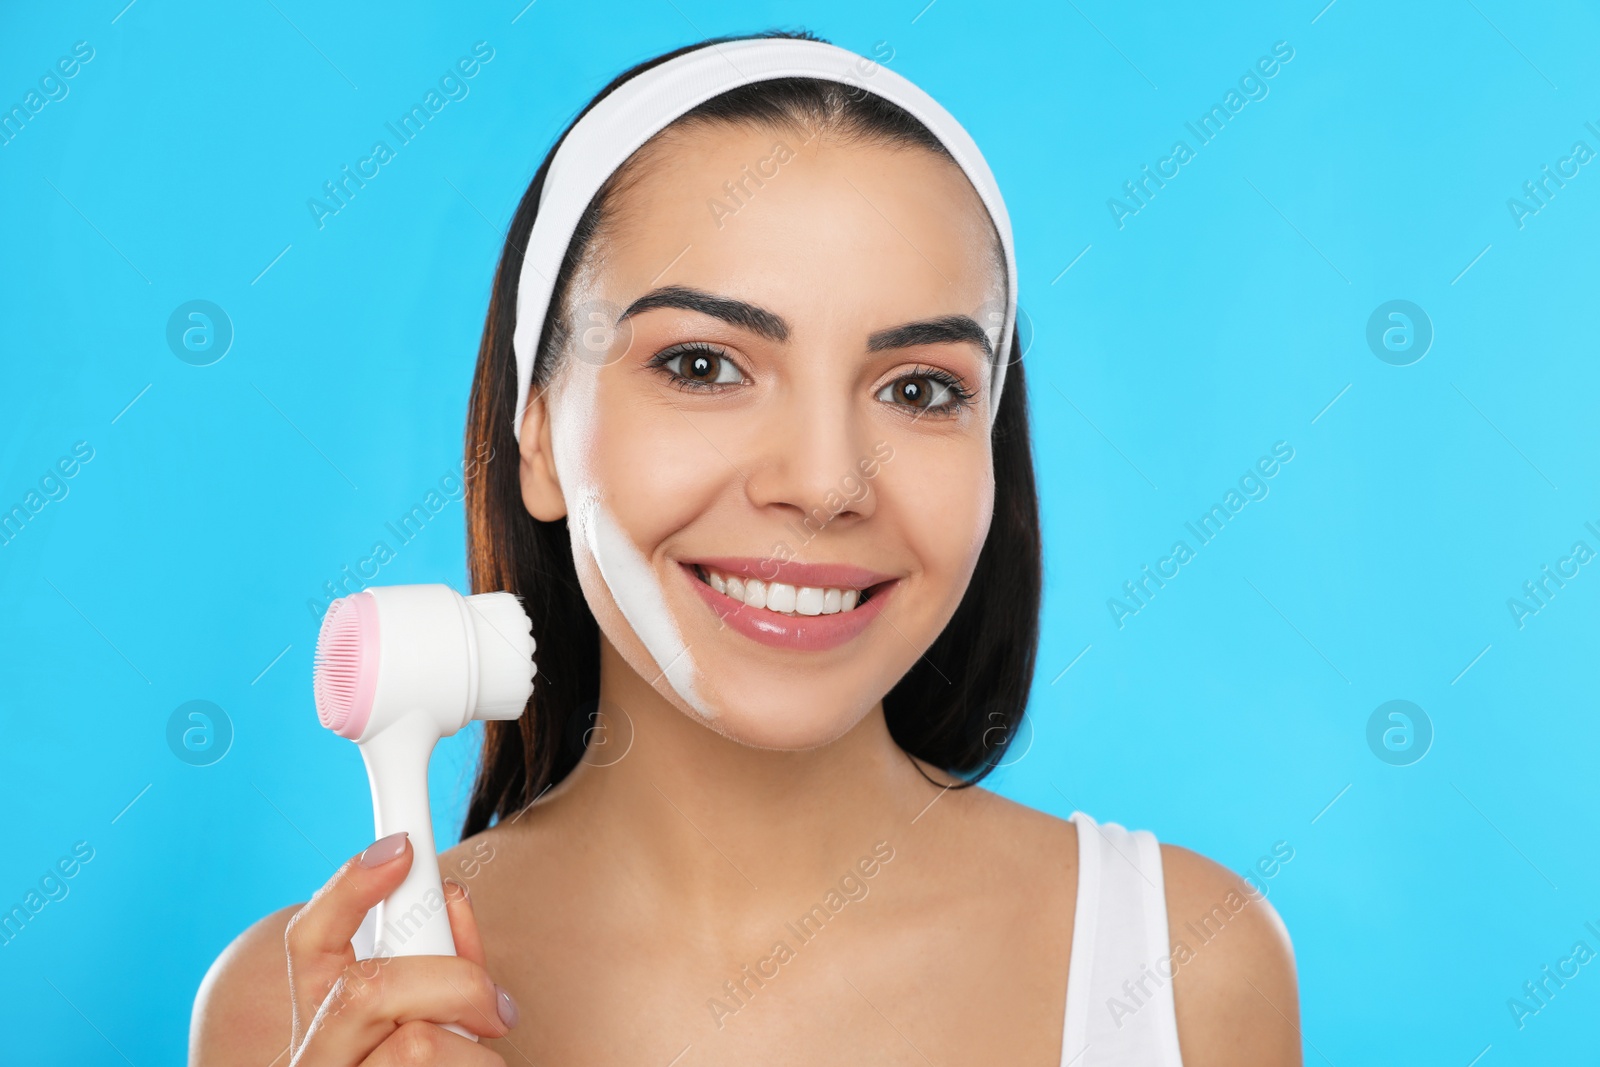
736 312
948 329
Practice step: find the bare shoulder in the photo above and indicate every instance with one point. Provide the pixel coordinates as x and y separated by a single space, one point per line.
998 821
1234 982
242 1011
972 844
471 858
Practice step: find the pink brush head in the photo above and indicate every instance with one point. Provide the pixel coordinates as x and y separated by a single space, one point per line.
346 664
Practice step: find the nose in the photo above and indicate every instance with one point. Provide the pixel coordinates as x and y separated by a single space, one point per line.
810 461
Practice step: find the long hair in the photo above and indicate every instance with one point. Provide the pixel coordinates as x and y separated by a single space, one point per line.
957 708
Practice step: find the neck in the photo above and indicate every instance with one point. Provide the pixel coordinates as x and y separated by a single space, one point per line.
722 826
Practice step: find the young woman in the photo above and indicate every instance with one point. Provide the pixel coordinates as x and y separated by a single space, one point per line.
780 548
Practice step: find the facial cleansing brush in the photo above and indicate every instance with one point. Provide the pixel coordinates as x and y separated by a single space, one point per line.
397 668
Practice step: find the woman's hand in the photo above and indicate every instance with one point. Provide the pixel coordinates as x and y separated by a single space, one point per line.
388 1011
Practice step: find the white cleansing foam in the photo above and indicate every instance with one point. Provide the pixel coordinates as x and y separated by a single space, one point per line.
637 591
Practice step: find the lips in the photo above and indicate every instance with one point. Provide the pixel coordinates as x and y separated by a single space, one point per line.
800 606
781 597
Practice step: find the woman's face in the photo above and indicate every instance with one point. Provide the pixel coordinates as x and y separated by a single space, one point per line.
777 394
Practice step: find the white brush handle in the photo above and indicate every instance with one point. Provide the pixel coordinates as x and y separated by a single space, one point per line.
413 920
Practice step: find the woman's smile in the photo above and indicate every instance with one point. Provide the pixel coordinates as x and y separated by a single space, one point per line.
809 607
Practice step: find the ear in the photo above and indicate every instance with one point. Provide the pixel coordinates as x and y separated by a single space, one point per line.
541 487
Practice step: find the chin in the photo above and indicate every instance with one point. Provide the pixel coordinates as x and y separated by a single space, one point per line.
758 707
807 719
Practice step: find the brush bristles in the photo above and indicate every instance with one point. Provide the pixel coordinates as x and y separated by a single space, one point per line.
505 655
337 664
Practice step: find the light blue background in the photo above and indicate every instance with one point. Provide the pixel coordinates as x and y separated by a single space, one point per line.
1225 316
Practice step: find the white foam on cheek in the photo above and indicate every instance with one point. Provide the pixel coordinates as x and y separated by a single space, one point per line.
637 591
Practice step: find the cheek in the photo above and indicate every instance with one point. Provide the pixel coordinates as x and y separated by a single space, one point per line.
631 476
644 459
942 497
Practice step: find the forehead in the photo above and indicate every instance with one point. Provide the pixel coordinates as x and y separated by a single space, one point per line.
820 228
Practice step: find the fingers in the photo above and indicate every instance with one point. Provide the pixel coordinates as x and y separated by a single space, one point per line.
463 922
416 1043
329 920
373 1000
318 936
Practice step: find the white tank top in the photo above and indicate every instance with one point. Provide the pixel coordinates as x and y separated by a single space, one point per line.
1119 980
1119 985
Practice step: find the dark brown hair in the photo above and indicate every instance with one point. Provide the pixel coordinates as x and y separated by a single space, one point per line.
957 707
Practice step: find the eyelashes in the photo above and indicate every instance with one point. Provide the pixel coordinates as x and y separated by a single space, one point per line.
698 366
924 391
947 395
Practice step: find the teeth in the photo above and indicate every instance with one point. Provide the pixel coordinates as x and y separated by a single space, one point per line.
781 597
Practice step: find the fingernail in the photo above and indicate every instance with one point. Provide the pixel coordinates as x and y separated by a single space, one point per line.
466 894
384 849
506 1006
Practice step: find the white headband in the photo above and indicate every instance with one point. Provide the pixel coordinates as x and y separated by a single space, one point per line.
636 111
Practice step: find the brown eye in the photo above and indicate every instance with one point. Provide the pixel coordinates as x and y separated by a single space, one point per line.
914 392
702 367
917 391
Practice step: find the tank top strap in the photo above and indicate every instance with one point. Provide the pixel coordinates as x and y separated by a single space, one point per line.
1119 1010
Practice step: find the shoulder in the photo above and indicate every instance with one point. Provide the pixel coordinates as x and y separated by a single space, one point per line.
1234 982
467 859
974 844
987 823
242 1011
987 812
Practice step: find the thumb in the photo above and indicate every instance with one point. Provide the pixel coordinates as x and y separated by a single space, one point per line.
463 922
